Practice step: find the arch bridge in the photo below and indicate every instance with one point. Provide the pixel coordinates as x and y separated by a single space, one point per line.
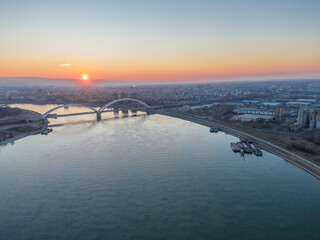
98 112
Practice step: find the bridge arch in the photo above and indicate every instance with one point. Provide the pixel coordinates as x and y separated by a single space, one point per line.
121 100
67 105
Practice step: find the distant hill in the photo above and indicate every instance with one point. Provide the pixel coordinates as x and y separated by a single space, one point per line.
26 82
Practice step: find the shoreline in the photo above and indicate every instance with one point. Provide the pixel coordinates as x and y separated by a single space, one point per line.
289 156
265 144
17 126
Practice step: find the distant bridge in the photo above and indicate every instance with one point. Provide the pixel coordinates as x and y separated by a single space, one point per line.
95 111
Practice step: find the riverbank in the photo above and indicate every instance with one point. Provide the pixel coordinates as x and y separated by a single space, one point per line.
17 125
297 160
10 115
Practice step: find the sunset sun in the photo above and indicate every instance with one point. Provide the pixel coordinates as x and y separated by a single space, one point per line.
85 77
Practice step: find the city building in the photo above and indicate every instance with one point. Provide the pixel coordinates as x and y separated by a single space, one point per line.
186 108
303 118
255 111
312 118
297 104
280 112
306 100
252 101
273 104
308 118
318 121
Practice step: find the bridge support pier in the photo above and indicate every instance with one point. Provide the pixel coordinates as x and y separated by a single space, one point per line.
116 112
98 116
125 113
134 112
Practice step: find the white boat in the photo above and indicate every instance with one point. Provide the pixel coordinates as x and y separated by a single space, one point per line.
234 147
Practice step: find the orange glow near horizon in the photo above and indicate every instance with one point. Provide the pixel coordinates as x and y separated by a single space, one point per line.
185 67
207 63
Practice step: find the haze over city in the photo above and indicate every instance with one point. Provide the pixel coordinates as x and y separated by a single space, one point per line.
160 41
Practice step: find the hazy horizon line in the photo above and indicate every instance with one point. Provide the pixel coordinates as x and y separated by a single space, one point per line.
151 82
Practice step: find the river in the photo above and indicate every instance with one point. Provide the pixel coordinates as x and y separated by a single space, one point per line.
149 177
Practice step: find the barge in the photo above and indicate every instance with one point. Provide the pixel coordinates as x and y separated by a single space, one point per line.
245 147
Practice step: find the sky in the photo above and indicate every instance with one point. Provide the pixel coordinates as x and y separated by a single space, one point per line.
158 41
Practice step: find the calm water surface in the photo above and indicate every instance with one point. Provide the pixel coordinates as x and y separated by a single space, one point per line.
150 177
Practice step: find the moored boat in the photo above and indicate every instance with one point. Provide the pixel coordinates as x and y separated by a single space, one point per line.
235 147
246 147
257 152
214 129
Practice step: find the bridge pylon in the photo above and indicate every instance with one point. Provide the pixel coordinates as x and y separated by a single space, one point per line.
134 112
98 116
116 111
